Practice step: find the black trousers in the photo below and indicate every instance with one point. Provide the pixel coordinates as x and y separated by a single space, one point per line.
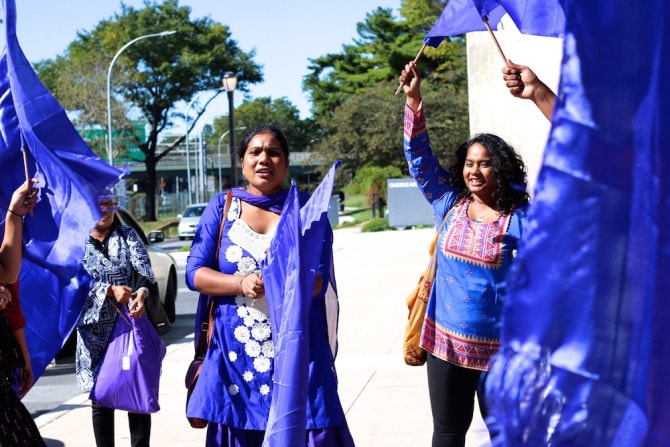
103 427
452 392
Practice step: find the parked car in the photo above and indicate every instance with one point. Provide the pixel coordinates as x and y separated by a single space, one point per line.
189 220
163 265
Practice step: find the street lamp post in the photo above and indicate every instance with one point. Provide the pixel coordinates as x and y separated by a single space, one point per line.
109 83
219 152
229 151
230 82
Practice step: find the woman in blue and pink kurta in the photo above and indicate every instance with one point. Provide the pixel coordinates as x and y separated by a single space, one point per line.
483 197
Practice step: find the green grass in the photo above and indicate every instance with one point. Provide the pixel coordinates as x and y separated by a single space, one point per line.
378 224
170 222
355 206
356 201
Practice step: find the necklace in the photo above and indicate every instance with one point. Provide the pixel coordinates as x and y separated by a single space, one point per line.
482 216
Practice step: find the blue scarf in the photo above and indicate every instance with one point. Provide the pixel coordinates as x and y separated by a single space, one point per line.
273 202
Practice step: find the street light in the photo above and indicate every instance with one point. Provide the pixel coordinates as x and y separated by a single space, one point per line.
219 152
109 82
229 151
230 83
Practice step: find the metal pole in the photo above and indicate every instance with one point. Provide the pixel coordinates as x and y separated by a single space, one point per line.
219 151
231 139
188 108
202 167
188 151
109 83
196 157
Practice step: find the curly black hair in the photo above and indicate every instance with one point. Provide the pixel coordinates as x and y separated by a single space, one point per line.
510 189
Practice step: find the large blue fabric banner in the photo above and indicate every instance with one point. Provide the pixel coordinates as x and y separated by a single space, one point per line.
70 175
585 356
289 272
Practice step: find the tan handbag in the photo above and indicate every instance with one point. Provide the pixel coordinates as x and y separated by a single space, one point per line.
416 303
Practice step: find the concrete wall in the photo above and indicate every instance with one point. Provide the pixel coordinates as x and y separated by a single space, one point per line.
492 108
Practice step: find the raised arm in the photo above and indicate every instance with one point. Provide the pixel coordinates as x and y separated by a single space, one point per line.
410 80
11 251
431 178
523 83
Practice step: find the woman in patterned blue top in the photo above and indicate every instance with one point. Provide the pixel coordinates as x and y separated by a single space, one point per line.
483 197
119 266
234 390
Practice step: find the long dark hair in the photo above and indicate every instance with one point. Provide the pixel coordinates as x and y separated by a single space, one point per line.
265 128
511 185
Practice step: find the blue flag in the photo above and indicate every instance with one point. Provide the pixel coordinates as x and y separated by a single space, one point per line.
289 273
585 350
70 175
536 17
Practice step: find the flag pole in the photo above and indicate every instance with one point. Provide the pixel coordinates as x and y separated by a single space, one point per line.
415 61
25 168
493 36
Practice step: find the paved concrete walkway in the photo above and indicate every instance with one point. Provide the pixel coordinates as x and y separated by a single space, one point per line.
386 402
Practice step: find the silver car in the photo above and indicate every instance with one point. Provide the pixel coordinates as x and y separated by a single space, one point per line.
189 220
163 265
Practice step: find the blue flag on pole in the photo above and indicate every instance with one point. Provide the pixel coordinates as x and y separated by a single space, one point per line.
70 176
289 273
585 351
536 17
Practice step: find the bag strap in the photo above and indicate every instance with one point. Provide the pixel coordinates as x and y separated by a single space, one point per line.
432 264
117 308
206 327
433 244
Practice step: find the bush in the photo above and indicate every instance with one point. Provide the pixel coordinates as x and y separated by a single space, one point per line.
372 178
380 224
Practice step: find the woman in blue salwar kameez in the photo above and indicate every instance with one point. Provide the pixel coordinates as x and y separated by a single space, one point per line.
235 389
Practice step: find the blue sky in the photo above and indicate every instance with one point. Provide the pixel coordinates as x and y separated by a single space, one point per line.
285 34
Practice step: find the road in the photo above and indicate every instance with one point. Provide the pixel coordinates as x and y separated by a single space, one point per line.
58 383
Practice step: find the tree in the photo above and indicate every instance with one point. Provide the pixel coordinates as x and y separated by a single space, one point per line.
367 128
150 77
279 112
336 77
352 92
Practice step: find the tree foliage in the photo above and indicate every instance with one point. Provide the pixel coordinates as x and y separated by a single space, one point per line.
352 92
356 117
279 112
150 77
371 180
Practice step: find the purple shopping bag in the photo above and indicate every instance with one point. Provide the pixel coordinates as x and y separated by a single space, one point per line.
130 371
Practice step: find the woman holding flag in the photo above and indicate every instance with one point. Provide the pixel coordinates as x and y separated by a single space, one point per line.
17 427
239 379
483 199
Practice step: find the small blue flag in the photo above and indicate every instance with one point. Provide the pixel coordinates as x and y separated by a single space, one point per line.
536 17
